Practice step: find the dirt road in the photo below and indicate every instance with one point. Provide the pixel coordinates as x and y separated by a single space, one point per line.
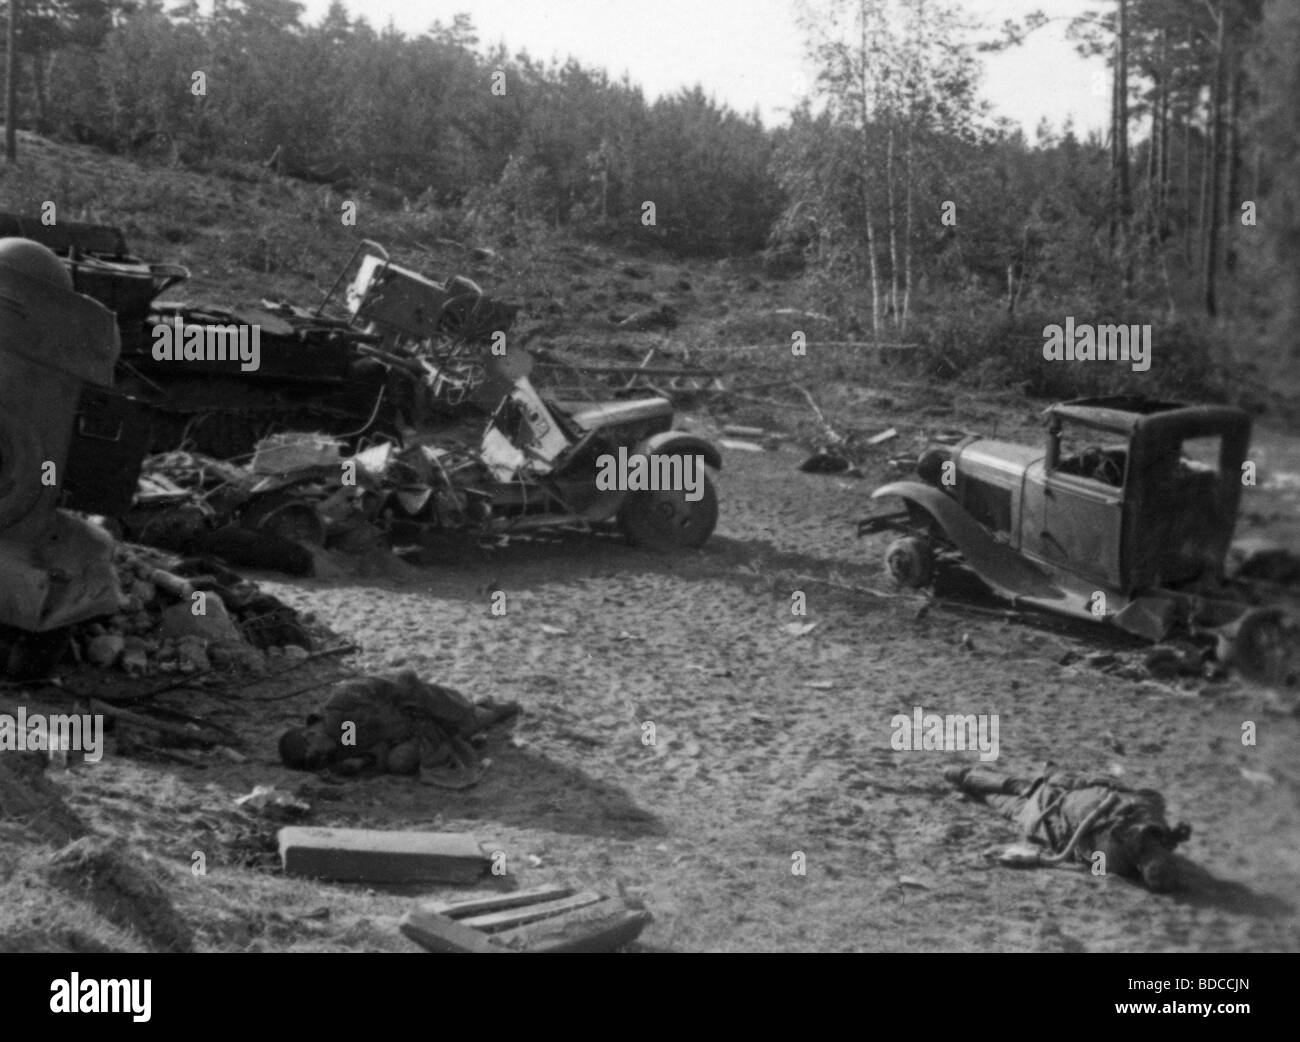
771 749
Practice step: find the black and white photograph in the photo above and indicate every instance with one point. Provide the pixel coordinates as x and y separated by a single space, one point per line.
627 477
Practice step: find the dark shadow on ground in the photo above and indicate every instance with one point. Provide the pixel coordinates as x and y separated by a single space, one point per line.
522 788
1199 887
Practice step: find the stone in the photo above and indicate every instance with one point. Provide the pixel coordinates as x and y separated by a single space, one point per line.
192 655
236 655
143 591
103 650
215 624
135 656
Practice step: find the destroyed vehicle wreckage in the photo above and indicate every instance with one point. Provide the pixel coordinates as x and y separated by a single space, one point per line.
59 570
393 381
1124 515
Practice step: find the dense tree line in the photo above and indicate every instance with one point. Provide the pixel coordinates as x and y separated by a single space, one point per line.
432 115
892 186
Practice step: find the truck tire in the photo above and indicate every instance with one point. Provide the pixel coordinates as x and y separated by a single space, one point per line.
910 562
667 520
1262 647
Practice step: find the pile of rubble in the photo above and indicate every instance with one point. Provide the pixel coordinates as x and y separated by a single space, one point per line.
186 616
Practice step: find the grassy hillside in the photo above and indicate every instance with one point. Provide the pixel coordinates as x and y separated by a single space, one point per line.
247 233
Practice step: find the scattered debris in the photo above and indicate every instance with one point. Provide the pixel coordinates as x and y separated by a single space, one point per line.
1168 661
1260 778
663 316
186 616
546 919
1255 559
270 802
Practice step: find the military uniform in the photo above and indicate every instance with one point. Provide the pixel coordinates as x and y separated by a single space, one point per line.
395 724
1127 825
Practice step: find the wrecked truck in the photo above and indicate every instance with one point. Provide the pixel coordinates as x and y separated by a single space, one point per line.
1122 515
391 374
537 460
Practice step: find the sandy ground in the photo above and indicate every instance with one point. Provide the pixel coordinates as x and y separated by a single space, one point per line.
767 745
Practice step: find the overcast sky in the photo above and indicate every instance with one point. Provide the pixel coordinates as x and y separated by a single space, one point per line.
749 53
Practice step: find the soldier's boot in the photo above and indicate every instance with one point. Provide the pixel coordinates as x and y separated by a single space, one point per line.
980 781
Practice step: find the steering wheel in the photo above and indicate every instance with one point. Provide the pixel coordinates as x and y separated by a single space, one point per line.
1100 467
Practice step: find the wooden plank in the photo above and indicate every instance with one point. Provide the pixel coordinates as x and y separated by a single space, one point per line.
496 902
532 913
600 928
437 933
373 856
606 935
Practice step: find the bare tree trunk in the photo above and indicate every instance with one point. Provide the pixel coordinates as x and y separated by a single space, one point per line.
1232 156
38 91
1153 139
907 237
1112 186
11 86
871 260
1203 203
1121 116
891 221
1162 192
1214 204
1187 169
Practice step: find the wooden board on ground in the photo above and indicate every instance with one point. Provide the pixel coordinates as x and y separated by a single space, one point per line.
437 933
496 902
374 856
546 919
599 928
512 917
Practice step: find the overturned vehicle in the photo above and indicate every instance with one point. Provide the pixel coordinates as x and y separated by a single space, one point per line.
1124 515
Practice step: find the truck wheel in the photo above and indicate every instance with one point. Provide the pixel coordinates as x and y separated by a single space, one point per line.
667 520
910 562
1262 647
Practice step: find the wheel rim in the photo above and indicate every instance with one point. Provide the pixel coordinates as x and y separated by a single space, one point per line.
672 512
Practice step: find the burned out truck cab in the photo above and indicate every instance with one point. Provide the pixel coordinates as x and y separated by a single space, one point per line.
1126 502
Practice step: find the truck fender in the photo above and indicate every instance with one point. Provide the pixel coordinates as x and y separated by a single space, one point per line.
682 443
1004 570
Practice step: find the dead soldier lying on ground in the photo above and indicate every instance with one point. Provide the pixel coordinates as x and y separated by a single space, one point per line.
395 724
1075 817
